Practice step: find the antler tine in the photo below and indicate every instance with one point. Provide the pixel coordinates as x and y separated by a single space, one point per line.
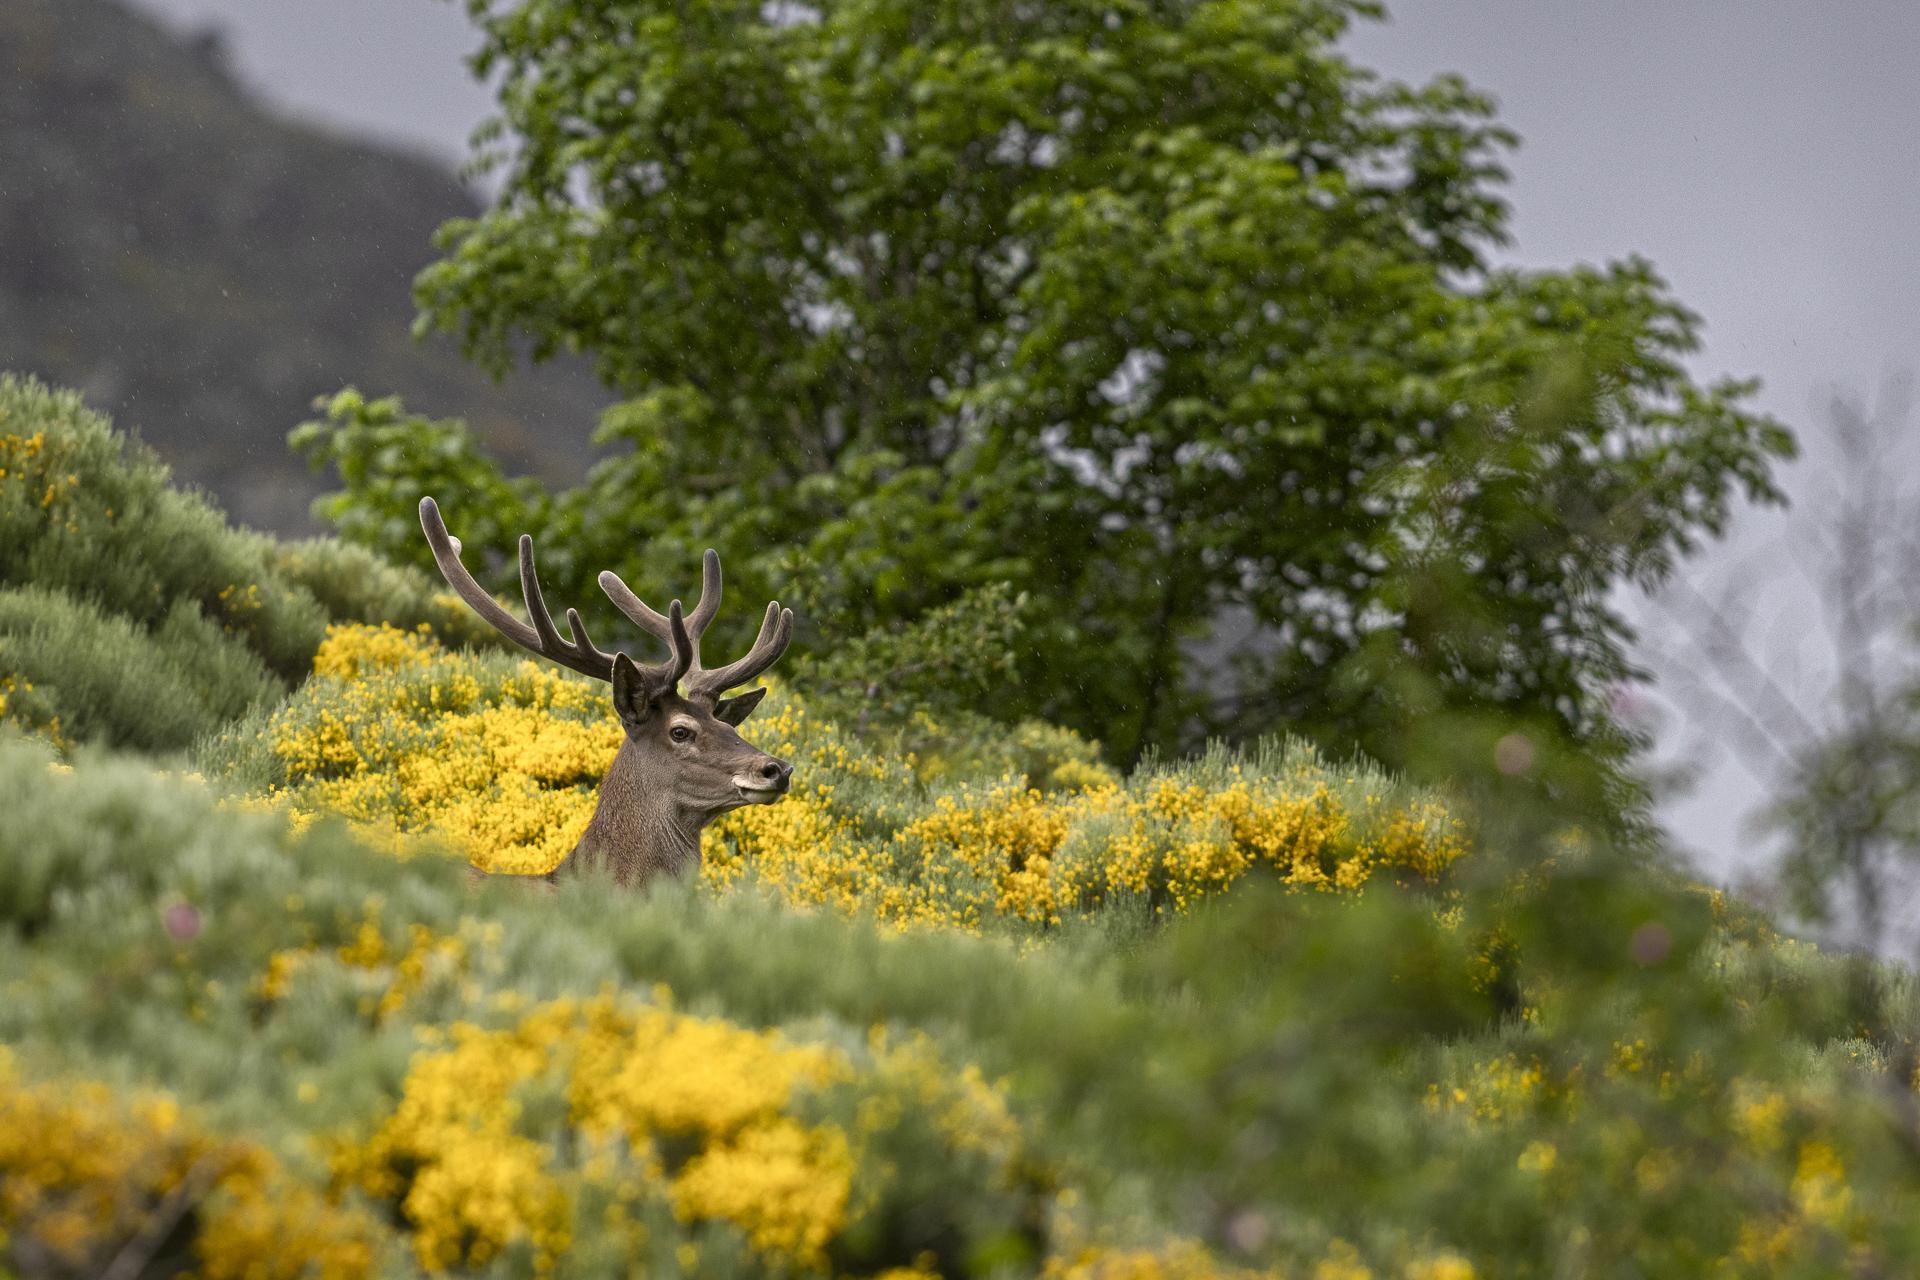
638 611
576 628
576 651
651 620
541 638
709 603
446 554
683 645
535 598
776 629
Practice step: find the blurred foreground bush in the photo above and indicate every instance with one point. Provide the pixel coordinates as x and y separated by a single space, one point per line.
95 1183
1575 1065
394 1040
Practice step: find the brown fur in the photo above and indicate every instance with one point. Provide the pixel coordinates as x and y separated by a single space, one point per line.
660 794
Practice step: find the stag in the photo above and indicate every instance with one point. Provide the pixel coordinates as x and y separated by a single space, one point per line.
683 762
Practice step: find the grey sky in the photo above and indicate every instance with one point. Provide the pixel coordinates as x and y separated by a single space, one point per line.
1758 151
389 69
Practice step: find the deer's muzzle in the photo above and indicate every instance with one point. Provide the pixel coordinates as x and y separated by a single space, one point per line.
765 784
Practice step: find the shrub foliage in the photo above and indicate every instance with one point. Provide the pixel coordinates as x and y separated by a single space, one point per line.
502 756
131 613
1279 1081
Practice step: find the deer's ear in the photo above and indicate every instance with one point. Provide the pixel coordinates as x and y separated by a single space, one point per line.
635 697
736 709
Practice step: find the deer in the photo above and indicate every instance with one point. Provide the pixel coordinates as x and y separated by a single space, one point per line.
682 762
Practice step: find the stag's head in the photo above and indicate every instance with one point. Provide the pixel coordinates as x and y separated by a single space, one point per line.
681 729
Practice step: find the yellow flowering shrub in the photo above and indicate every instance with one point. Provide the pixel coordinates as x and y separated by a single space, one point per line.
22 708
498 1136
43 473
363 649
1494 1089
1777 1139
83 1172
1819 1207
783 1183
385 976
1004 851
1178 1260
501 758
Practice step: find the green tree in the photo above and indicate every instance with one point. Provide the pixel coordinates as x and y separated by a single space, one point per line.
1153 307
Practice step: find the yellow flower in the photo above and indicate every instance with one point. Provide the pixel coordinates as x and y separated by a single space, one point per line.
785 1185
1820 1190
502 761
80 1166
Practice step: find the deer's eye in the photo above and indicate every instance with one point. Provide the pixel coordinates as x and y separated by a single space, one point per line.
680 733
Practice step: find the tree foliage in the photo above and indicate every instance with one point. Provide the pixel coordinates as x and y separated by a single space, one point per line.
1152 307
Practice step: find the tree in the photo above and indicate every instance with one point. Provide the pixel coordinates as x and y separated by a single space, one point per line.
1151 307
1802 664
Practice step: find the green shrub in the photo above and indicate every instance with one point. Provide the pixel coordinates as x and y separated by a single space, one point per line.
137 615
106 679
84 512
353 584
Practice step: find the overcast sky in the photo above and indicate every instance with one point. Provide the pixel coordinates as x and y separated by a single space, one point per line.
1758 151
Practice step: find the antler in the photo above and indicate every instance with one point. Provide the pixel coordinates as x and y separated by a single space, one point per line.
543 638
704 685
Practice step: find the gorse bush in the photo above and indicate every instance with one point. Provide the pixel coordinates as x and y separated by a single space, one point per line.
407 1043
499 755
84 512
502 757
1276 1082
687 1118
132 614
426 1057
90 1176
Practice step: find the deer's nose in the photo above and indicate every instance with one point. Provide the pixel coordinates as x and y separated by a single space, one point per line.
778 773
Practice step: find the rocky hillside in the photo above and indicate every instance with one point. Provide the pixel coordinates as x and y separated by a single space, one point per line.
203 269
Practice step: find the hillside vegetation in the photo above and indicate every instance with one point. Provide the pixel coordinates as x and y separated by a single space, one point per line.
990 1008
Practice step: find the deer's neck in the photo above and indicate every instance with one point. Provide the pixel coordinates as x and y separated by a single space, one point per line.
637 831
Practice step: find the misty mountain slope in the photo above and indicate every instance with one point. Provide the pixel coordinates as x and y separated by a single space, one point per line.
202 269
